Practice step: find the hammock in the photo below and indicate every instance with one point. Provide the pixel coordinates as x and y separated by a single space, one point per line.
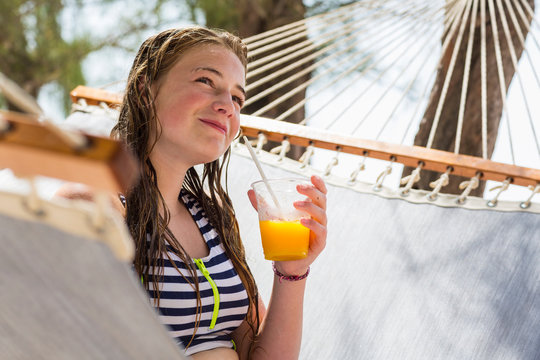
66 297
68 288
405 280
409 281
365 71
407 274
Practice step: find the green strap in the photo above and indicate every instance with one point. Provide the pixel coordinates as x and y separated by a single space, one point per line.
200 265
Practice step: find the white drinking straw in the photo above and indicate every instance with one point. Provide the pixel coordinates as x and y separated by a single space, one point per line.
265 180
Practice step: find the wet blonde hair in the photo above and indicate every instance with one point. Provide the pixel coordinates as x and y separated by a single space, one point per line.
139 128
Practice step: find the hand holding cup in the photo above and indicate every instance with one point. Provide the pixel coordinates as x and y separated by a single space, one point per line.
298 228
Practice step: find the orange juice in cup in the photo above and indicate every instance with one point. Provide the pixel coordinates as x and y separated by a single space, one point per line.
284 240
283 236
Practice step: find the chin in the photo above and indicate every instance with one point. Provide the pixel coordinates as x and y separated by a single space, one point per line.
208 151
208 158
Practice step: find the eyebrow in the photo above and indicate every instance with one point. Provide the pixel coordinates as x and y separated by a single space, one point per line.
218 73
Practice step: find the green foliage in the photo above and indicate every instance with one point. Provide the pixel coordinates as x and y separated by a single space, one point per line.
315 7
233 15
32 49
46 41
223 14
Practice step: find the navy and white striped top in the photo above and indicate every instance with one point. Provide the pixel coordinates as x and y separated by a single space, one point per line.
223 296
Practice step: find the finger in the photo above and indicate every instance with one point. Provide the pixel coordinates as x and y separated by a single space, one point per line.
318 232
319 183
316 195
252 198
313 210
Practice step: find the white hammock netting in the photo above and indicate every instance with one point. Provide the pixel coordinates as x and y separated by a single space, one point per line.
368 70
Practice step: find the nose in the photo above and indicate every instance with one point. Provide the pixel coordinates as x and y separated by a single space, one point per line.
224 104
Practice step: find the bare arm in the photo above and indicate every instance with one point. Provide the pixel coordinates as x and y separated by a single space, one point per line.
280 335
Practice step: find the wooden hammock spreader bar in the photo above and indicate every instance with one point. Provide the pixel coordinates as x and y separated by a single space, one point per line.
29 148
94 96
435 160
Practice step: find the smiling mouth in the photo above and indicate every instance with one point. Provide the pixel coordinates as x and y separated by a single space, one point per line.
216 126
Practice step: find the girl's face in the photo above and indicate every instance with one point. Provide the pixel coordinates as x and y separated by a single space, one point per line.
198 104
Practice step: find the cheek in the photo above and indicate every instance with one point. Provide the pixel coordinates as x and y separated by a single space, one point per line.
175 111
235 125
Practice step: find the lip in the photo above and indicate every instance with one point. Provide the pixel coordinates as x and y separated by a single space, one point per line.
215 124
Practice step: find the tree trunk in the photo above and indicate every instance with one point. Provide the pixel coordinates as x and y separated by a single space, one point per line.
471 138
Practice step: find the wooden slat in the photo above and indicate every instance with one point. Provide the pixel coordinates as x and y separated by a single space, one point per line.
29 148
95 96
435 160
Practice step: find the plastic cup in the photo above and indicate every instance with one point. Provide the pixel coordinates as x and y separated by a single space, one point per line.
283 236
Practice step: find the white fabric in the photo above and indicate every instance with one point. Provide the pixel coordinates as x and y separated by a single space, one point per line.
65 297
400 280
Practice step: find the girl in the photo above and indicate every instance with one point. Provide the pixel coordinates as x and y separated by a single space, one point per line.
181 108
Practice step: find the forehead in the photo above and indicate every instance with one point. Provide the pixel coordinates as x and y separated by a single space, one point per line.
217 57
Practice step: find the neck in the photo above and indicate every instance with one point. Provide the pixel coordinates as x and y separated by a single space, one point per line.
170 176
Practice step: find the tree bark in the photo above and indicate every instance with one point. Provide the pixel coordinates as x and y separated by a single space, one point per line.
471 137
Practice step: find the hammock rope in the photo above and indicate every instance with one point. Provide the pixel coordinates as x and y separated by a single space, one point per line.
337 94
344 9
515 63
448 75
366 70
336 65
343 74
500 73
388 68
397 44
461 111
